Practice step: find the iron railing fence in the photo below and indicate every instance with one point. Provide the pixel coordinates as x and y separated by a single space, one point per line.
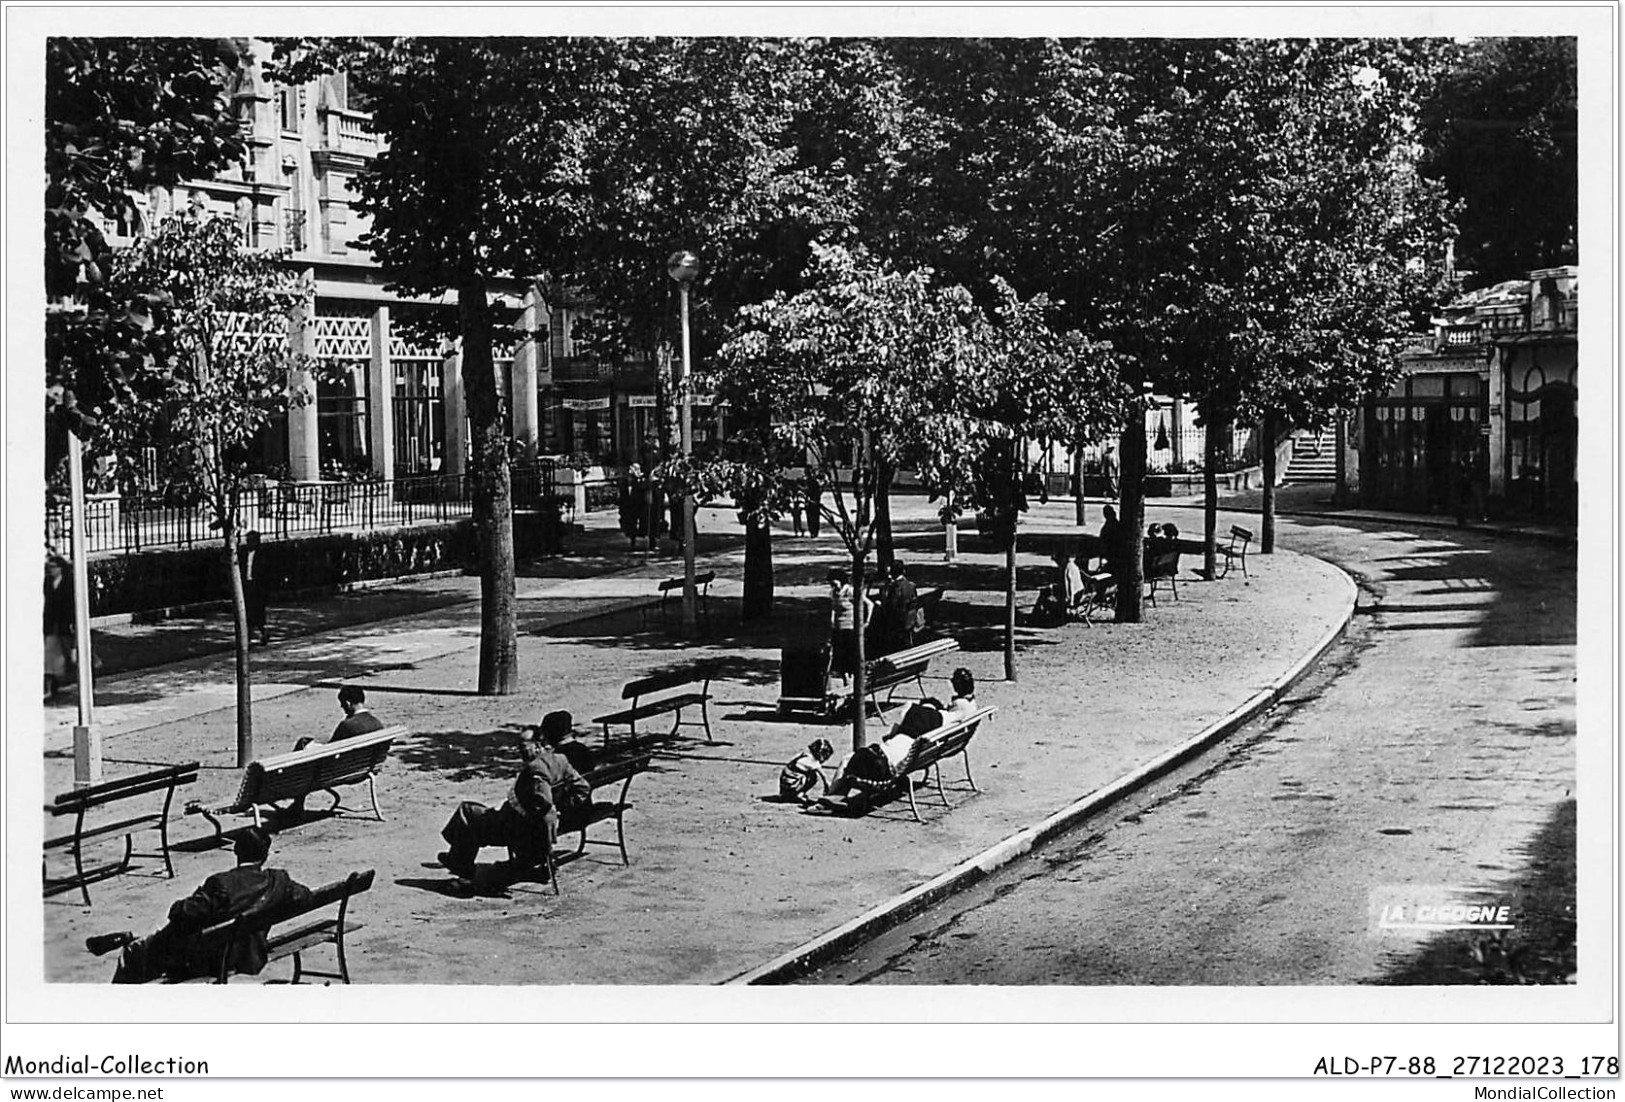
136 522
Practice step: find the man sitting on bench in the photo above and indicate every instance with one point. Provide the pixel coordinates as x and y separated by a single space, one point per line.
358 720
878 761
527 822
173 951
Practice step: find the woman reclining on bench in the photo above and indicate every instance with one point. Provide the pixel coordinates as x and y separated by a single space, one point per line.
877 763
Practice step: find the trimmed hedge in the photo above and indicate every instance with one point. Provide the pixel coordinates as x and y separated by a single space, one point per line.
173 577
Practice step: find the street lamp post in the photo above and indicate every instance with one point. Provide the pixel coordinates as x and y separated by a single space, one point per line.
684 266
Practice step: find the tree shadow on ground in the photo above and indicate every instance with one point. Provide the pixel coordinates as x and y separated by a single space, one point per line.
461 756
1541 947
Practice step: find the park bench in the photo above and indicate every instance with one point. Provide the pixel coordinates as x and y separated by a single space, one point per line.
671 592
1099 594
224 937
925 758
81 801
1162 568
666 693
321 767
1236 550
888 672
578 819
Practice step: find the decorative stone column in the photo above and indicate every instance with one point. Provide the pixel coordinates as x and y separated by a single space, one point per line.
1500 361
456 458
381 397
304 459
527 420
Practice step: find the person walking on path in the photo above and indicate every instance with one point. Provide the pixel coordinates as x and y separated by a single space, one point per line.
176 951
815 504
527 823
248 564
59 624
798 506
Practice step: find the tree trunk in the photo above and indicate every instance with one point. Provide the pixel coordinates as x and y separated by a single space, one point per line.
757 603
239 616
1080 511
1211 429
493 497
860 680
1131 493
1266 536
1010 605
884 551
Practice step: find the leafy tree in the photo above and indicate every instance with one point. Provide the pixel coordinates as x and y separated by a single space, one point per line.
199 377
861 367
1501 132
484 167
746 150
1030 382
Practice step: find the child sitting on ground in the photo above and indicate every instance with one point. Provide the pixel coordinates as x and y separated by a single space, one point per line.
802 773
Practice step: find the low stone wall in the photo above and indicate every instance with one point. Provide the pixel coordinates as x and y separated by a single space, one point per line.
151 582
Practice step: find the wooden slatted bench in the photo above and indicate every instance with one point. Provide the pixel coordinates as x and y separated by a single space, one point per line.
1098 594
1236 550
321 767
81 801
224 937
925 758
890 671
1162 568
647 701
600 811
671 592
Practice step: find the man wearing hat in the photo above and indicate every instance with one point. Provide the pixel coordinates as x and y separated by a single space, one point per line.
528 820
177 951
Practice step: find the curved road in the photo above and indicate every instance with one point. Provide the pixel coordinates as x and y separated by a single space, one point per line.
1435 746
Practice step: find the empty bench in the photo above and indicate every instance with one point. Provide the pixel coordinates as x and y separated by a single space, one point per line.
228 941
578 819
82 801
669 693
322 767
925 758
889 671
1236 551
671 591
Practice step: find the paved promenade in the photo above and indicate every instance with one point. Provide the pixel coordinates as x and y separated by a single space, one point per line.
722 880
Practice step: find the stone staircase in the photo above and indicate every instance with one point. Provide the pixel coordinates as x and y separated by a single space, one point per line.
1314 457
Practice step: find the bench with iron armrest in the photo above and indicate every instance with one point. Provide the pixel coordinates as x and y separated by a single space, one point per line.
81 801
1162 568
321 767
224 937
925 758
595 811
671 591
1236 551
1099 594
647 701
889 671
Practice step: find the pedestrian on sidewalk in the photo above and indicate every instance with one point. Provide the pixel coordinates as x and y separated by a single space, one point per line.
176 951
815 504
527 823
59 624
798 506
249 566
